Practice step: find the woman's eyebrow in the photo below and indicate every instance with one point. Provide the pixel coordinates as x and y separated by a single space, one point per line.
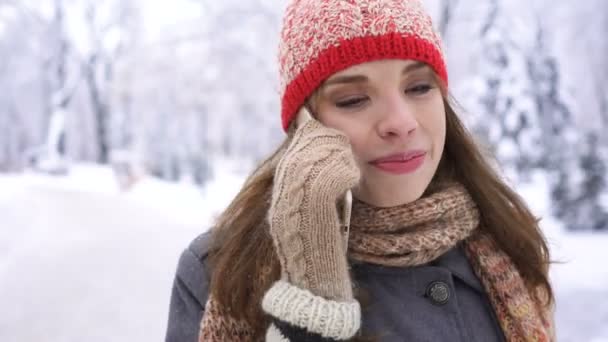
346 79
362 78
413 67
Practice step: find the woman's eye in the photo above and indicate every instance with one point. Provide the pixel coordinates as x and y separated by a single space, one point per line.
419 89
351 103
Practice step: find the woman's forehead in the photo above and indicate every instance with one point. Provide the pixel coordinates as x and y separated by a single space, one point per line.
360 72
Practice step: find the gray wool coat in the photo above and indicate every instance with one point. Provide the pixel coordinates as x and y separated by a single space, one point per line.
439 301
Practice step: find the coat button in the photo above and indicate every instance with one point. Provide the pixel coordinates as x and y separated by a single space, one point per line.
438 292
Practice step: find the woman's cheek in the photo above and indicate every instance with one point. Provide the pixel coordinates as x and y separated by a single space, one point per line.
358 155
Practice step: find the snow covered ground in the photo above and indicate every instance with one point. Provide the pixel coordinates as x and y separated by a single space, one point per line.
81 261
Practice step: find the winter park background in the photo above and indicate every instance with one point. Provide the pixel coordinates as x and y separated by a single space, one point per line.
125 126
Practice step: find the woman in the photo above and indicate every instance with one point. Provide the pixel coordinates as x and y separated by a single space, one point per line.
439 248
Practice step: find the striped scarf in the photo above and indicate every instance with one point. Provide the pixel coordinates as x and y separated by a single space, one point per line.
417 233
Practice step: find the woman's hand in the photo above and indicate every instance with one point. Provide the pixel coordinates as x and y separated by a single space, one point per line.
316 170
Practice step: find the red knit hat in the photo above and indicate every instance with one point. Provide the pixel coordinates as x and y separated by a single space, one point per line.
322 37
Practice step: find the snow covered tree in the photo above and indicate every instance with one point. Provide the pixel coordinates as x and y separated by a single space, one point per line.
579 191
527 113
571 152
514 129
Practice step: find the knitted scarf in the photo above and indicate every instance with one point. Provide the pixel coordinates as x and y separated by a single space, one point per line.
417 233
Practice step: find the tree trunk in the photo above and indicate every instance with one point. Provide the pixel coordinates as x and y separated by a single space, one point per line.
100 111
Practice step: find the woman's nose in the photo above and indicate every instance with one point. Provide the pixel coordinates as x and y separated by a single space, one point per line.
398 119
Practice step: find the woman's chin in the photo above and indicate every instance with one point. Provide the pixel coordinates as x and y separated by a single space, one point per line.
383 193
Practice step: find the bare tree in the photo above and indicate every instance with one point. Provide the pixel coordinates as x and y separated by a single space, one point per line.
38 56
63 80
99 63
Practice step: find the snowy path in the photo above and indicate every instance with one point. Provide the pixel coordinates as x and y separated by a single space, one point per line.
80 266
580 283
87 267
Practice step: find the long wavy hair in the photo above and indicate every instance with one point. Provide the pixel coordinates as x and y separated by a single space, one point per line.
242 256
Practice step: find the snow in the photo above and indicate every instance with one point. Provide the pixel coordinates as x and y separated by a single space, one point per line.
81 260
578 275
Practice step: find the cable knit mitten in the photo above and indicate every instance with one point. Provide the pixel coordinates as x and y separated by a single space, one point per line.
315 290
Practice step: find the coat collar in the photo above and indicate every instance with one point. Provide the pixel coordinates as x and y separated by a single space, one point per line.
456 261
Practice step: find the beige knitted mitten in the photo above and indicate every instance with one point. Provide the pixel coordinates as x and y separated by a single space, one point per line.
316 170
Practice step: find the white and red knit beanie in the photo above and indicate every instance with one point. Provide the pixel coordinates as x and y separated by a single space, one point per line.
322 37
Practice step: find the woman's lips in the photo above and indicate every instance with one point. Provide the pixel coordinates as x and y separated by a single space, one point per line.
401 163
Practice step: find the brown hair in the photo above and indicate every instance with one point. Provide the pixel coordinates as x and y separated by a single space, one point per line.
242 254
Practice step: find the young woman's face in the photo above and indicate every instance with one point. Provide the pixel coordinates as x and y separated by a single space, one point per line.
393 113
